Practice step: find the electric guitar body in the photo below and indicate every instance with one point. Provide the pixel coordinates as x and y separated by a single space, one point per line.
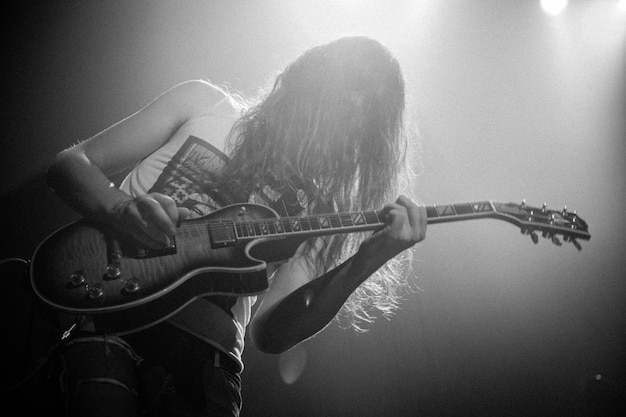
87 269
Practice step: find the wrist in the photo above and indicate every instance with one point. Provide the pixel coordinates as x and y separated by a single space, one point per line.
111 205
375 251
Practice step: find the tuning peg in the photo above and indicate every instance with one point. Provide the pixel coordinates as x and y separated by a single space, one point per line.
523 203
534 237
556 241
564 212
543 207
567 238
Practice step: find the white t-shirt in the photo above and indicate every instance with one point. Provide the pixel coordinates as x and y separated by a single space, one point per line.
185 168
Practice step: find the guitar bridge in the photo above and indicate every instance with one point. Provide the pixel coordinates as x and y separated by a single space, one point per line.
143 252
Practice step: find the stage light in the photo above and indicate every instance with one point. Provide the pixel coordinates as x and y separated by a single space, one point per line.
553 7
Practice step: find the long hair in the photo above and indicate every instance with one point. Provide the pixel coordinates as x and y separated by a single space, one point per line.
333 120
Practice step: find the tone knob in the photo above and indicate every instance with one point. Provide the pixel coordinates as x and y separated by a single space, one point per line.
132 285
113 270
95 291
78 278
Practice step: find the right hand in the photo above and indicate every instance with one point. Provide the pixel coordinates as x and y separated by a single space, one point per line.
151 219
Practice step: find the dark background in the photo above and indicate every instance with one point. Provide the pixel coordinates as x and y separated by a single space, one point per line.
511 103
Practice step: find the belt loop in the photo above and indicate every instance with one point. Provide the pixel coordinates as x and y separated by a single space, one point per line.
216 358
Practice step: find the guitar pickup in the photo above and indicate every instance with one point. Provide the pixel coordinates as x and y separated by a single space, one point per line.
222 235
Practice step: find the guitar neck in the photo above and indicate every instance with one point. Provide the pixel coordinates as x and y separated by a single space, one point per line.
529 219
362 221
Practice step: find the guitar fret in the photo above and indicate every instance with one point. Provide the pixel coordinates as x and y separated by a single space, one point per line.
358 219
371 217
482 207
324 222
335 220
304 223
431 212
464 208
314 222
445 210
346 219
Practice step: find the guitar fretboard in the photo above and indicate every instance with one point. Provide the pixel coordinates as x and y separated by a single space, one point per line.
225 233
449 212
349 222
346 222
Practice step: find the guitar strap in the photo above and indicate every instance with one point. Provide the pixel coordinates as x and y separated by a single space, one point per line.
221 333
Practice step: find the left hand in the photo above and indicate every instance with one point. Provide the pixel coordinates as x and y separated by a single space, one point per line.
405 225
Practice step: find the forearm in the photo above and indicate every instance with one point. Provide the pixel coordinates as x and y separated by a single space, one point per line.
306 311
83 186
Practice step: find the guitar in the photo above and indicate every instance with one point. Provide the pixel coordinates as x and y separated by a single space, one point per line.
85 268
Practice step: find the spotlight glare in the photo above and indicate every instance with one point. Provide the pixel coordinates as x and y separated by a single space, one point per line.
553 7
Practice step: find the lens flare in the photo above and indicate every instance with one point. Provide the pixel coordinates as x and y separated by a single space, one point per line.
553 7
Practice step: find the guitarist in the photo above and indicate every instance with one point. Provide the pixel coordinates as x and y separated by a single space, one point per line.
328 136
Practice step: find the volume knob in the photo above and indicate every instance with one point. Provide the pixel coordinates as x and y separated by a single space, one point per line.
132 285
95 291
78 278
113 270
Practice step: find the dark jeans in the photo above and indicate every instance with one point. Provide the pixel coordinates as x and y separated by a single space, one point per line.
167 372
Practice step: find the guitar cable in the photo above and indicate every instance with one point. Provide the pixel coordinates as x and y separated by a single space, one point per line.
45 359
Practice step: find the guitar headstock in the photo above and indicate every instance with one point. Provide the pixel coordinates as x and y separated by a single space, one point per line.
551 223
